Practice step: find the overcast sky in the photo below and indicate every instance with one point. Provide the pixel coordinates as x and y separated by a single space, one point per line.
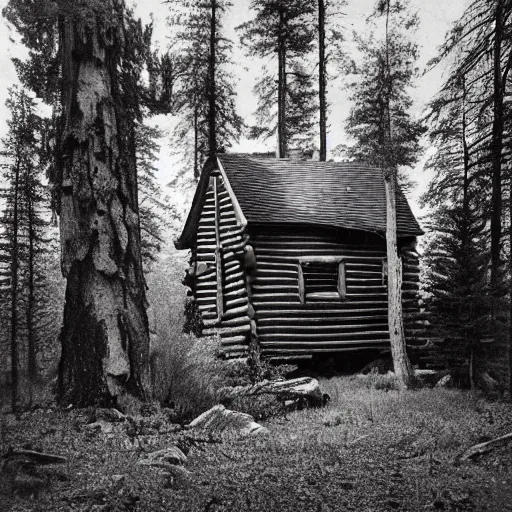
435 16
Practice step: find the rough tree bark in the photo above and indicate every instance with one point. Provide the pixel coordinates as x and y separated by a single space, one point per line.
105 336
496 150
32 356
281 89
196 144
510 299
321 80
401 363
14 289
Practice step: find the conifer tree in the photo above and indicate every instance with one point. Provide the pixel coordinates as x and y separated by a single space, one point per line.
485 29
386 136
479 49
99 57
284 32
456 261
154 210
330 40
203 95
22 239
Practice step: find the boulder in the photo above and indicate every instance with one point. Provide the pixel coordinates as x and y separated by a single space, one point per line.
227 424
302 389
102 426
444 382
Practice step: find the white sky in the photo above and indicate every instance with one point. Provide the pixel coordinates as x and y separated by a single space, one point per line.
436 17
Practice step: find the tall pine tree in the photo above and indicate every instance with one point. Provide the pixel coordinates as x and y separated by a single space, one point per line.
23 240
456 261
386 136
203 95
100 57
479 50
330 49
154 209
284 32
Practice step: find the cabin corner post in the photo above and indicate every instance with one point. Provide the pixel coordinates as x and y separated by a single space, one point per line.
254 358
193 322
218 252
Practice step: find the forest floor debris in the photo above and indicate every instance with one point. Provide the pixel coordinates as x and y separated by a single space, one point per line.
367 450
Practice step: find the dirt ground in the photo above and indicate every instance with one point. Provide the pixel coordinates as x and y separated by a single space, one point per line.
367 450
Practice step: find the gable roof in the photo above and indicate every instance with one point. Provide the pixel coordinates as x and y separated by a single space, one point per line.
282 191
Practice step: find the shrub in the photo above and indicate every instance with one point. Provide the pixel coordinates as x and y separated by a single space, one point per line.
385 382
186 374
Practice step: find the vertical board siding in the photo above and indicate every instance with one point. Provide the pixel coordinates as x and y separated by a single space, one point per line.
288 326
235 324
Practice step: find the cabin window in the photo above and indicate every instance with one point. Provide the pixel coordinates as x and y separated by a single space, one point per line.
322 279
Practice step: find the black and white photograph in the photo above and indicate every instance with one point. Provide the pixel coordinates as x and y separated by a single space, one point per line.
255 255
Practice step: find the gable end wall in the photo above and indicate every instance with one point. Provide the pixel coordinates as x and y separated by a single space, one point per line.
234 328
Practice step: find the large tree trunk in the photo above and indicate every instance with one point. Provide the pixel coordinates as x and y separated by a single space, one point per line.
14 288
281 90
32 359
496 150
510 291
196 144
402 366
401 362
105 336
322 81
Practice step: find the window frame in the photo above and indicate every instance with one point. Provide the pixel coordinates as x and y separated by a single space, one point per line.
341 277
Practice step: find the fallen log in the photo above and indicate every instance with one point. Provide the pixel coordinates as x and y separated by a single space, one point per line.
479 449
40 458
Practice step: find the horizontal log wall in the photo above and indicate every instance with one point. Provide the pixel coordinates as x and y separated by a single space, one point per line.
324 324
234 328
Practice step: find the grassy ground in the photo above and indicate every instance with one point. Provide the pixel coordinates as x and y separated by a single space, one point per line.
368 450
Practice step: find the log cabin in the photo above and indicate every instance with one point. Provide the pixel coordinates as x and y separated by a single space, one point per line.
290 255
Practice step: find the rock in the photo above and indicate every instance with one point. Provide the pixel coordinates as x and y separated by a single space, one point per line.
101 425
110 415
171 455
226 423
303 389
444 382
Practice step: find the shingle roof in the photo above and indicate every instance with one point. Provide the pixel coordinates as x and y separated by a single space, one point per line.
281 191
